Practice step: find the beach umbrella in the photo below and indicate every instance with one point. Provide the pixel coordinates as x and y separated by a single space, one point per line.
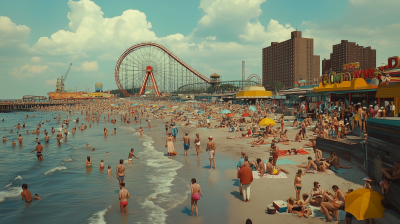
154 105
179 110
140 104
252 108
267 122
230 115
134 104
162 107
364 204
246 115
200 112
225 112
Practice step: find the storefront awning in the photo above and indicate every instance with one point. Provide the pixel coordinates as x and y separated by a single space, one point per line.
388 91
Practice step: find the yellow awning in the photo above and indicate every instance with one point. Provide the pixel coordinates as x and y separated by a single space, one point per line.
254 94
388 91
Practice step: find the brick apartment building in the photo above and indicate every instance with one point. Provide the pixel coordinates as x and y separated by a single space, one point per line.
347 52
289 61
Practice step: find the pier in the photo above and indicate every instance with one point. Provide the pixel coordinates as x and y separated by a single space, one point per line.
14 106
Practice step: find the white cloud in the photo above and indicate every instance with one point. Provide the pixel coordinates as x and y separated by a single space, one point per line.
90 66
275 32
36 59
28 71
51 81
90 31
12 35
211 38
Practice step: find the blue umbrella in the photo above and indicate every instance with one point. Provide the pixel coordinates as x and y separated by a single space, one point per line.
134 104
200 112
225 112
252 108
162 107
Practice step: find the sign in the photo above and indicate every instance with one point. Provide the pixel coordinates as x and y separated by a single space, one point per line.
372 73
352 65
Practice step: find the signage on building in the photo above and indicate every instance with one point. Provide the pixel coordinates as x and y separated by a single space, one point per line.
352 65
373 73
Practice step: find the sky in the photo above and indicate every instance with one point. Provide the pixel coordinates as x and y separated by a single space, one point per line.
39 39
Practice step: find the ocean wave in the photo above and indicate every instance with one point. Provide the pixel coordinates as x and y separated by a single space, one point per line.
55 169
98 217
11 192
18 178
127 128
68 160
8 185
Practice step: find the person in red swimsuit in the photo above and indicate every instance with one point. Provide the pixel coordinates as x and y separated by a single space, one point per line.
123 198
274 153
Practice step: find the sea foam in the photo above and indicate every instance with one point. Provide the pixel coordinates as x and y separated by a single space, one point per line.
18 178
55 169
10 192
98 217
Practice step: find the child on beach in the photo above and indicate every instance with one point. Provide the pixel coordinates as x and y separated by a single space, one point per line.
102 164
297 184
109 170
37 197
292 209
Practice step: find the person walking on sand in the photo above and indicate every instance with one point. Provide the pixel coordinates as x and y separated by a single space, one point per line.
245 176
131 155
211 151
170 144
196 193
186 143
197 143
121 171
39 150
123 198
297 184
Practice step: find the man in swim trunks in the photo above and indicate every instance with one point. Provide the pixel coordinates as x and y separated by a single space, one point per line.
121 171
20 139
271 170
186 143
130 156
123 198
26 194
39 150
211 151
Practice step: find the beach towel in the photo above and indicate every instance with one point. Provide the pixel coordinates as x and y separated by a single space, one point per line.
285 143
299 152
266 175
285 161
340 170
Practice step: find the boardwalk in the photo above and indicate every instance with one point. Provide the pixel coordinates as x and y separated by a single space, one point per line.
9 106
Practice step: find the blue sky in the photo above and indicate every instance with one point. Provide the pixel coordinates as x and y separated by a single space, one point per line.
38 39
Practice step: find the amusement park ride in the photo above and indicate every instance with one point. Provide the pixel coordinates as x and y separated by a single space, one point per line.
60 81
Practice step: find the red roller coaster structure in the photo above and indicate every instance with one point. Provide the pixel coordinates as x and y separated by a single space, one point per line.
153 60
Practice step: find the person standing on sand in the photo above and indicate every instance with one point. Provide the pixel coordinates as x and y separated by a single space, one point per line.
130 156
211 151
186 143
26 194
123 198
297 184
245 176
281 120
196 193
166 128
170 144
197 143
274 153
39 150
121 171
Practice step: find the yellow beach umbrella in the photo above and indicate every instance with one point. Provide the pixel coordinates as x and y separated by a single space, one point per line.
267 122
140 104
154 105
365 204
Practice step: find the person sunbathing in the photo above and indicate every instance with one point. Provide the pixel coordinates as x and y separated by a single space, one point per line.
275 140
310 165
333 160
257 141
284 137
305 208
260 166
311 144
271 170
298 137
295 123
392 174
291 208
316 194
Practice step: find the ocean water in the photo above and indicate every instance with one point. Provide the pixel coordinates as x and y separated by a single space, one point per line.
158 184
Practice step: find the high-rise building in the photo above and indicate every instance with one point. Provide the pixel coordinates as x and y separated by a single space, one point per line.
348 52
289 61
316 68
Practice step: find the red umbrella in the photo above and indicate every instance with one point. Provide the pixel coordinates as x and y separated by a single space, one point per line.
245 115
230 115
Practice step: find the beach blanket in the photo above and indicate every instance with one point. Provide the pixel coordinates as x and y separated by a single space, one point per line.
317 213
320 172
340 170
285 143
266 175
299 152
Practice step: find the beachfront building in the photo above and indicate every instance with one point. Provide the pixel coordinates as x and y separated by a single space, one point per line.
349 52
289 61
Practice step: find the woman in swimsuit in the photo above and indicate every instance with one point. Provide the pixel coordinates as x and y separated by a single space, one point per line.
197 143
316 194
297 184
196 193
89 162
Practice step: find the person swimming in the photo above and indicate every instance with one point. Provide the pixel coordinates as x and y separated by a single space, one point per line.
89 162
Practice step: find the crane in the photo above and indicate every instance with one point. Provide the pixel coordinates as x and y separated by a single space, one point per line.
60 81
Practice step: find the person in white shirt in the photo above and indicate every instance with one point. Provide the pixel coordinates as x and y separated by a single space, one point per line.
392 108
